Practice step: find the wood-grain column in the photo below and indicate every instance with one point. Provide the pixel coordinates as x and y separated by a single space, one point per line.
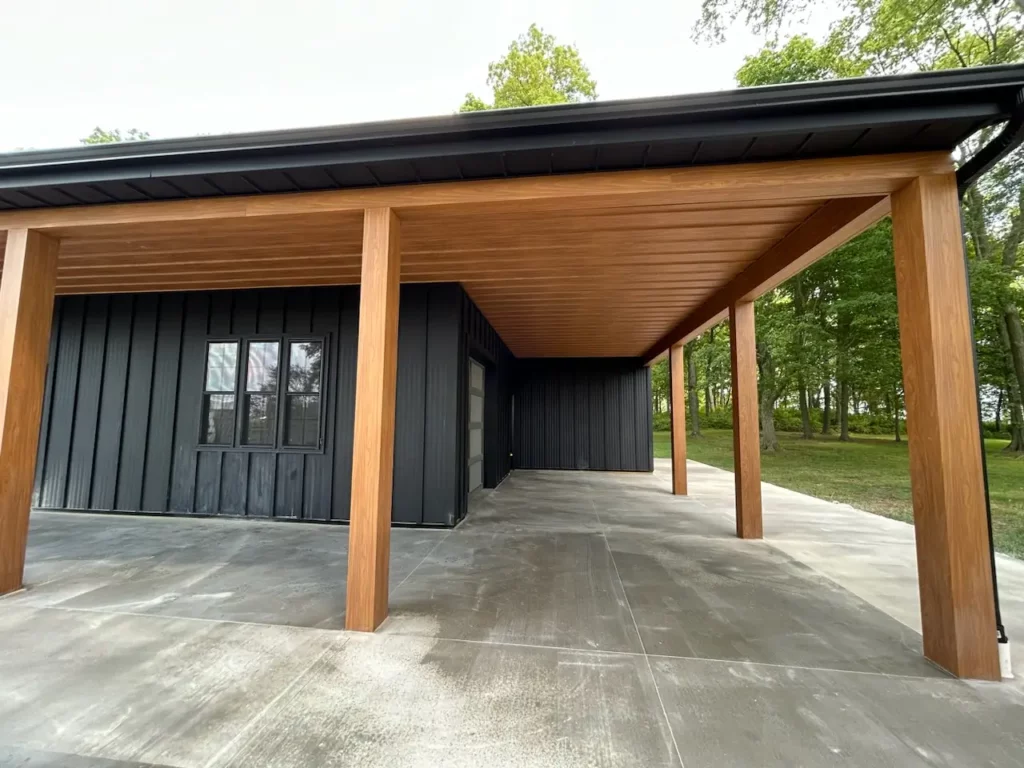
26 311
954 570
745 430
677 389
373 442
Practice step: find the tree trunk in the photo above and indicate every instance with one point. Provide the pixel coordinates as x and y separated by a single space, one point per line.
826 412
1015 339
707 401
691 387
766 397
844 409
999 412
805 414
896 414
1013 389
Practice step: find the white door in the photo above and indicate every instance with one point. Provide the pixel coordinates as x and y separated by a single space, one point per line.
476 425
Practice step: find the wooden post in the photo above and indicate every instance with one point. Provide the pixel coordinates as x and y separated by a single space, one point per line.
373 442
26 311
677 395
745 430
954 570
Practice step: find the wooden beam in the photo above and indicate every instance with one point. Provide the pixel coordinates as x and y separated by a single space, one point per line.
678 405
26 310
829 227
792 180
954 570
746 440
373 443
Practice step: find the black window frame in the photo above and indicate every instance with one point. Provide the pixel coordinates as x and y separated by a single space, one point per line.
284 341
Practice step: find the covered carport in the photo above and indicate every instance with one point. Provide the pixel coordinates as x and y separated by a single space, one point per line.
606 230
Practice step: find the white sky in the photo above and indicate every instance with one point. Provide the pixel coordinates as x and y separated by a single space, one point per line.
185 67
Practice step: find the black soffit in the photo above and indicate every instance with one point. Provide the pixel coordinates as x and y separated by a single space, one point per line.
932 111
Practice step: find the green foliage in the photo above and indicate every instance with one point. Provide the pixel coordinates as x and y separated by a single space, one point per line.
799 60
100 136
663 422
535 71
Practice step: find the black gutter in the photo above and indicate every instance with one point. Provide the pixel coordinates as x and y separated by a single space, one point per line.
984 90
1011 137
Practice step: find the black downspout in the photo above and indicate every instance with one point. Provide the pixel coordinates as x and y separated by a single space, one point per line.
1008 140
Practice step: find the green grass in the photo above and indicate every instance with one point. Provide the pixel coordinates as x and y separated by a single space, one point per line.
871 473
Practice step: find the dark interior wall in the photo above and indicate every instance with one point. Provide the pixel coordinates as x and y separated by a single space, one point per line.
583 414
124 390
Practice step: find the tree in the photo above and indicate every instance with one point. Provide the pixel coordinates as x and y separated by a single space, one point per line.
691 388
535 71
892 36
100 136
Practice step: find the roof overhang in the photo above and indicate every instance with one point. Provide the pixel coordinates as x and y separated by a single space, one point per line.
931 111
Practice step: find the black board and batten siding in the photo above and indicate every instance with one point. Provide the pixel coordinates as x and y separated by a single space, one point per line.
124 393
584 414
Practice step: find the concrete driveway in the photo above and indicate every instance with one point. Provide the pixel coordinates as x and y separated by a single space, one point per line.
573 619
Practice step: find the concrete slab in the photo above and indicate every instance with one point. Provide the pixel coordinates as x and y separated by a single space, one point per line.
540 588
744 600
402 701
141 689
574 619
210 569
731 714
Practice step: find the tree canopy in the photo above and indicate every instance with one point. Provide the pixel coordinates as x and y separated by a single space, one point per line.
833 329
536 70
101 136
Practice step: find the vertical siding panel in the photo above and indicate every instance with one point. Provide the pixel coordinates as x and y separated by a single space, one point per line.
245 312
90 383
111 408
189 405
208 482
260 496
442 420
288 486
567 413
582 419
44 420
410 405
234 483
65 385
221 310
163 401
298 316
271 316
346 396
316 503
628 419
597 430
136 407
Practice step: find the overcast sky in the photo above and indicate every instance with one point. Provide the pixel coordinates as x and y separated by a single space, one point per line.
185 67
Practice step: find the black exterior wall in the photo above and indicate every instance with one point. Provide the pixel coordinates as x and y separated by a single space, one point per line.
124 391
583 414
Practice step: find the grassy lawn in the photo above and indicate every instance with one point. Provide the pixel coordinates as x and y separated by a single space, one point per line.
870 473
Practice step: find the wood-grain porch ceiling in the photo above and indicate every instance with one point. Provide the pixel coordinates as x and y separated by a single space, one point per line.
610 264
605 281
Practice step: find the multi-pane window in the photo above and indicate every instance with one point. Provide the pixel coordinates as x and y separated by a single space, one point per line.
260 404
263 393
302 400
219 393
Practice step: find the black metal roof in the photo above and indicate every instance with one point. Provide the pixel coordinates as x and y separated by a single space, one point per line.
907 113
